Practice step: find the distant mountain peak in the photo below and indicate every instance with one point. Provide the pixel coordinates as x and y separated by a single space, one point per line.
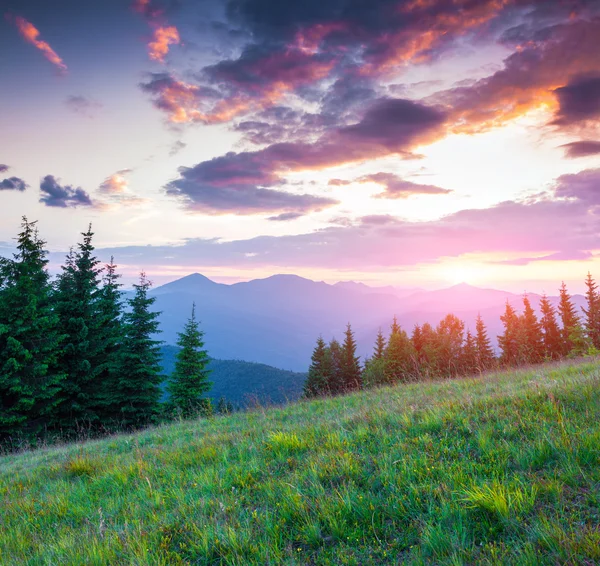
193 281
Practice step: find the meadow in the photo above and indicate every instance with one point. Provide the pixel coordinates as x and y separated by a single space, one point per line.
502 468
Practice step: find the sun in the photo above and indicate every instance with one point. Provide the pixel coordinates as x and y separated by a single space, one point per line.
456 274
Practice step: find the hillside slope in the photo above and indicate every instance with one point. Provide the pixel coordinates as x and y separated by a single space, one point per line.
502 469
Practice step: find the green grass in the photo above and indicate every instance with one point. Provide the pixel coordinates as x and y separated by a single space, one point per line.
503 469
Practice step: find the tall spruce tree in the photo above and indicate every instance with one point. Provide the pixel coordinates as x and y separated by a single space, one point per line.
551 338
399 356
189 382
450 336
30 338
379 349
531 345
110 313
319 373
350 362
571 332
336 384
138 390
468 355
428 354
485 352
509 341
592 312
81 356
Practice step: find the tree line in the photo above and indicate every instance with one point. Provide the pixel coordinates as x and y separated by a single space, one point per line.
448 351
75 356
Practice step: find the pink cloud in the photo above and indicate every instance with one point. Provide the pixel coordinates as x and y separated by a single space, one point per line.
31 34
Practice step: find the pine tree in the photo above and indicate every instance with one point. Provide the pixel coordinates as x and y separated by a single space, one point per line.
571 331
379 348
138 391
450 336
350 366
592 312
110 312
429 352
189 382
468 362
485 352
530 337
509 341
336 384
399 356
77 296
29 339
551 337
320 371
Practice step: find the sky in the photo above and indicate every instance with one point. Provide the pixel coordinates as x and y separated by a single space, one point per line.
406 142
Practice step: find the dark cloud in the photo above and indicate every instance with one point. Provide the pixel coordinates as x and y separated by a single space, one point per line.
260 67
62 196
295 48
389 126
396 187
232 184
4 168
579 100
82 105
13 184
286 216
394 123
582 148
553 55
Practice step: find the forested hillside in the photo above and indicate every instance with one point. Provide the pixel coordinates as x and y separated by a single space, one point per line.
245 383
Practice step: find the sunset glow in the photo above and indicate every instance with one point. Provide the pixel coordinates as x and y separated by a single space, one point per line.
414 143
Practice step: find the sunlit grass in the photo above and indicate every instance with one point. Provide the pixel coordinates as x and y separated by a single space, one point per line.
503 469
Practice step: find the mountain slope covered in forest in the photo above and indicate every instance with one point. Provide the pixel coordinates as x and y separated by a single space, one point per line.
276 321
245 383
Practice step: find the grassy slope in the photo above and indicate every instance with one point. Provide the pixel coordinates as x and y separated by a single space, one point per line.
500 470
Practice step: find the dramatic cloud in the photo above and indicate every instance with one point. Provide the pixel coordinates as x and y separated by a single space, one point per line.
82 105
163 35
213 187
529 79
343 42
582 148
4 168
555 227
397 188
29 32
13 184
389 126
62 196
182 101
162 38
578 101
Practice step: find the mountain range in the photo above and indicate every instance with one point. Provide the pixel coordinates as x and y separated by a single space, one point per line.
277 320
